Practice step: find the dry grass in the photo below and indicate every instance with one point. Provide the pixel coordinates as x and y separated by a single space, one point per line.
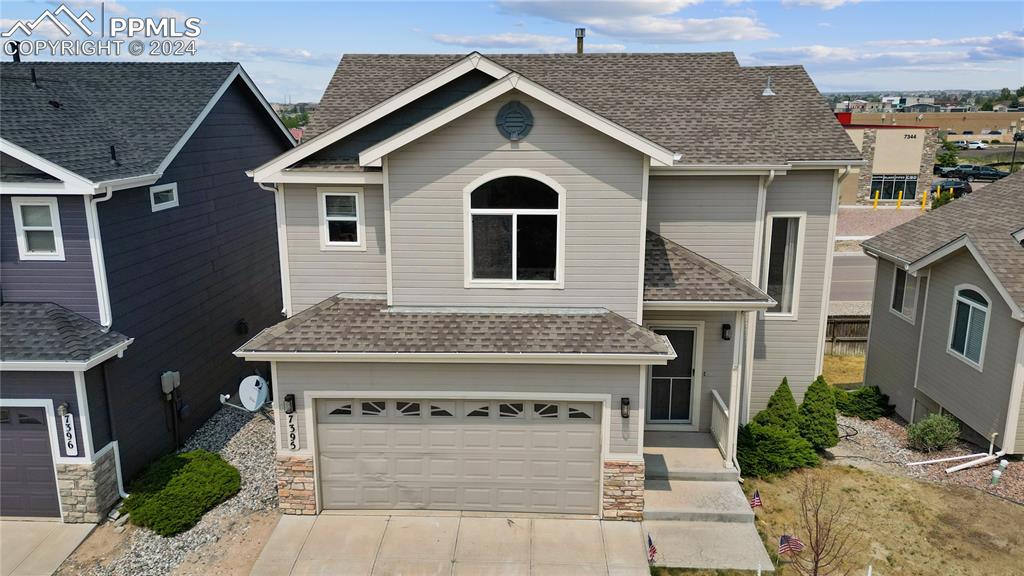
907 527
844 371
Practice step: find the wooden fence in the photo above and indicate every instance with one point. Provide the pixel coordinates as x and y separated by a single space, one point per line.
847 335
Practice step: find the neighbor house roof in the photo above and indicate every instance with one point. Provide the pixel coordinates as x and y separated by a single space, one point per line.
349 325
703 106
673 273
987 219
45 332
75 111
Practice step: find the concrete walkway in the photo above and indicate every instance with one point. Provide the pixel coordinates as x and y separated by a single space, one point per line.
37 547
451 544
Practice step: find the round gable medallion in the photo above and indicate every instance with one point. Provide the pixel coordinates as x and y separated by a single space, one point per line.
514 120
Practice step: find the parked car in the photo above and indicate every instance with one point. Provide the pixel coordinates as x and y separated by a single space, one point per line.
961 144
973 173
976 145
959 187
968 132
996 133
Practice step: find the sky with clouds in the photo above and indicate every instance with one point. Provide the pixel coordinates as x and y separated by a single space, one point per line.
290 49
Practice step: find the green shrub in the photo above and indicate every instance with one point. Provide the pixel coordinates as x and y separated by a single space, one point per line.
933 433
766 451
175 491
781 411
866 403
818 415
944 196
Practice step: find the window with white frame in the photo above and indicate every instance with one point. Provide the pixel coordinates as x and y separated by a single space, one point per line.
904 294
969 325
341 218
514 231
163 196
37 227
783 253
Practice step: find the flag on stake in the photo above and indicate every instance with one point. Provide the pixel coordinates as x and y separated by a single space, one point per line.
790 544
755 502
652 551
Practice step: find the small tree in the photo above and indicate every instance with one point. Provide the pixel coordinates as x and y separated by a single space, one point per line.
947 156
818 415
767 451
781 411
831 535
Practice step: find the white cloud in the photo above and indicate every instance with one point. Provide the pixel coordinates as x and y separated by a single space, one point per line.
168 13
823 4
521 41
46 30
824 24
652 21
235 50
94 6
1002 46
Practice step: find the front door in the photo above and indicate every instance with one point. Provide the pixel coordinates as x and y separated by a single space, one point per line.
672 386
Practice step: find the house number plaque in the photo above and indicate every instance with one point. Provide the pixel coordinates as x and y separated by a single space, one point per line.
70 440
292 433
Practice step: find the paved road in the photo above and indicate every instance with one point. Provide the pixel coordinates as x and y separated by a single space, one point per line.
853 277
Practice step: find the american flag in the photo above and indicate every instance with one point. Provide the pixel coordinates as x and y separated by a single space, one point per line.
652 550
755 502
790 544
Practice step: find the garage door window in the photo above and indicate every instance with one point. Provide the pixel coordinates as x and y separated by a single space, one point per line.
546 410
479 411
511 410
373 408
579 411
408 408
343 410
442 409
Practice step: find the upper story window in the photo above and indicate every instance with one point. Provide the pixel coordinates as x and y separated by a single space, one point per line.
904 294
163 196
784 237
890 186
969 326
341 219
514 233
37 226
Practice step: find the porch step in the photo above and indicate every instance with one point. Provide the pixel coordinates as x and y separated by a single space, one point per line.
656 468
708 545
684 456
696 501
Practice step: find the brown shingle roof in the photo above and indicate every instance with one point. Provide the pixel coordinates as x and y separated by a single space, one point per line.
45 332
352 324
988 217
673 273
704 106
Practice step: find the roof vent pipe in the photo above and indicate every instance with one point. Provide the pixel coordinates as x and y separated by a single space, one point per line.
580 33
35 84
113 155
12 49
768 88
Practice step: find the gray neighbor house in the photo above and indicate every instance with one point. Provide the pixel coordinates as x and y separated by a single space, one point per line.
536 283
947 324
132 244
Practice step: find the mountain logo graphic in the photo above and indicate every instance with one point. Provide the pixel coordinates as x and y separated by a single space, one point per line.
27 28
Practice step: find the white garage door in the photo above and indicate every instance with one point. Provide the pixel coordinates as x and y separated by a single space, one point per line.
490 455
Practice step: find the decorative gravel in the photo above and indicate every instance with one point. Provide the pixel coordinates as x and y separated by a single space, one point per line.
247 442
883 443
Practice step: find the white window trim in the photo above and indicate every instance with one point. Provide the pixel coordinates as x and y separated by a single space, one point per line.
980 364
801 232
892 294
173 187
20 229
360 219
468 212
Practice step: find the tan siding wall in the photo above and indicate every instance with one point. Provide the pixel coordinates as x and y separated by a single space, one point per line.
786 347
892 348
604 182
316 274
618 381
711 215
898 151
979 399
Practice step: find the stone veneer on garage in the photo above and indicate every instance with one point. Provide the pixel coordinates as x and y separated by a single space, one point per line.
88 491
623 497
296 487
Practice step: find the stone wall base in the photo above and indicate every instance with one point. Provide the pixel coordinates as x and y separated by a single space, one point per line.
88 491
623 497
296 487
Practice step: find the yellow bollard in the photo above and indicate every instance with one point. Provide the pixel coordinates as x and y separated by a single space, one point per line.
899 200
877 194
924 200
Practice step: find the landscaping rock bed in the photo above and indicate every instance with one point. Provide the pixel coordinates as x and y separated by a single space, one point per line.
244 440
882 444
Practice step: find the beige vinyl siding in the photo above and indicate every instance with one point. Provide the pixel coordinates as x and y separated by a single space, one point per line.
618 381
717 360
979 399
1018 447
604 182
314 274
892 348
787 347
712 215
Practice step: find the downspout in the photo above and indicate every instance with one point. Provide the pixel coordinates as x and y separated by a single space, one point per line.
113 429
845 173
282 247
96 245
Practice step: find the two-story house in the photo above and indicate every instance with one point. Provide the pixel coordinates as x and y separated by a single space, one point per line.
510 278
135 256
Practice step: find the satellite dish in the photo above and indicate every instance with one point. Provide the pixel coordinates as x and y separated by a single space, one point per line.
253 392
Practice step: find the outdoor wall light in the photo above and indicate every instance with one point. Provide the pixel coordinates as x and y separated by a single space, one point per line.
624 407
289 403
63 409
726 331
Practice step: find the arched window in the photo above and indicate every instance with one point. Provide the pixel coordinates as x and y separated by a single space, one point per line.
969 325
514 230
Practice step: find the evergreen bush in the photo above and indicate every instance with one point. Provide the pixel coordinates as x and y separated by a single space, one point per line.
818 415
767 451
866 403
933 433
781 411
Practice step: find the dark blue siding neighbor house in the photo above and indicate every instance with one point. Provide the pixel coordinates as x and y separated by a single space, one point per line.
132 245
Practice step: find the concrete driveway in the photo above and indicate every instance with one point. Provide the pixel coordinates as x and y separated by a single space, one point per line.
37 547
455 544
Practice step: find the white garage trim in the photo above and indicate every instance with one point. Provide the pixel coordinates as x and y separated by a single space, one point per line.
51 424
